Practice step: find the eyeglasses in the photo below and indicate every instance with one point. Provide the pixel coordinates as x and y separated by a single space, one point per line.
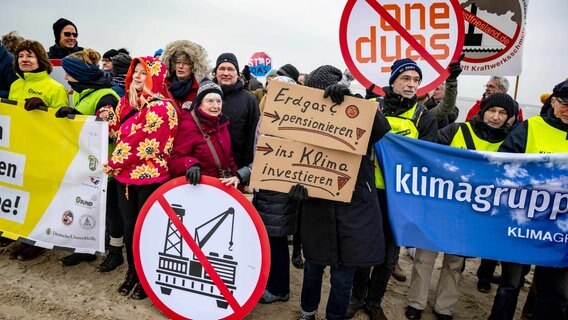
562 102
69 34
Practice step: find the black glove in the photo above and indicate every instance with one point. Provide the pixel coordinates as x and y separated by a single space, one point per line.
336 92
298 193
33 103
65 111
455 68
193 175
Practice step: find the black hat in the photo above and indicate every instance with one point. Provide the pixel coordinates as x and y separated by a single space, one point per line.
560 91
59 25
323 77
498 99
120 64
289 71
227 57
402 65
109 54
205 87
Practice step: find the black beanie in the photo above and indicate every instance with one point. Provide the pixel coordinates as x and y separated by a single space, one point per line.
59 25
323 77
402 65
227 57
120 64
498 99
289 71
109 54
560 90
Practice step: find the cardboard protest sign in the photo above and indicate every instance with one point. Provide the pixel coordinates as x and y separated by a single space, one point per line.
302 114
326 173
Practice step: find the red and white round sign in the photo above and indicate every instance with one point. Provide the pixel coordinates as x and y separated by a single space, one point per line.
201 252
373 34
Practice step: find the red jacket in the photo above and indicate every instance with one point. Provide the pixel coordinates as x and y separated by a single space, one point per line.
190 148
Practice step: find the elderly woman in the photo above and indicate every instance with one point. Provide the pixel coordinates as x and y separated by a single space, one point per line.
203 143
34 85
147 122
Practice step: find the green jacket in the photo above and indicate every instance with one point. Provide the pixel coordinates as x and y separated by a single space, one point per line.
86 101
40 85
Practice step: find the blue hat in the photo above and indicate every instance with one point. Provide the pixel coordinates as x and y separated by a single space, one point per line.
158 52
402 65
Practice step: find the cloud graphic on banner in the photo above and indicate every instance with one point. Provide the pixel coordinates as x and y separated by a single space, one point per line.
562 224
450 167
508 183
465 178
520 217
515 170
494 212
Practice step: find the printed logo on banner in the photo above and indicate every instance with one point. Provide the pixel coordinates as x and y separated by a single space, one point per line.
373 34
93 161
83 203
212 253
87 221
67 217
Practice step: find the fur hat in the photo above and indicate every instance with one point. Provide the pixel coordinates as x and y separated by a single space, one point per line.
59 25
289 71
323 77
120 64
402 65
498 99
227 57
196 53
206 87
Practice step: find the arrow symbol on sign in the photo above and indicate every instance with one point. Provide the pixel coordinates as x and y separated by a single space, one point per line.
268 149
360 132
274 116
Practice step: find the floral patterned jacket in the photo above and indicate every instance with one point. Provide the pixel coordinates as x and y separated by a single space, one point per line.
144 135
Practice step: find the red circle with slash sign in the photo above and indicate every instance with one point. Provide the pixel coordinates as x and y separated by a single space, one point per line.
373 35
201 252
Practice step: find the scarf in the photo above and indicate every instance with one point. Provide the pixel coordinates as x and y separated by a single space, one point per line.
180 88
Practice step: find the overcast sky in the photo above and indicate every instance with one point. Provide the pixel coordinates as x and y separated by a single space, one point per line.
301 32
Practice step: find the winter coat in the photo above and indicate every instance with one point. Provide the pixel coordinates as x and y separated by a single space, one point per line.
349 234
7 74
445 111
94 97
278 212
58 52
144 135
241 107
41 85
190 148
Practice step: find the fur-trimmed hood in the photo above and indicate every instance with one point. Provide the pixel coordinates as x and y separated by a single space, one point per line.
197 54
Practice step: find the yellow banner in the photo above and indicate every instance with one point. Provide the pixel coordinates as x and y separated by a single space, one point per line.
52 188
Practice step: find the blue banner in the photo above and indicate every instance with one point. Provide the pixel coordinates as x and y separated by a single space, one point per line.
501 206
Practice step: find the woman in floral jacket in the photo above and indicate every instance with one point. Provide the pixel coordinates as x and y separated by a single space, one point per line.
144 125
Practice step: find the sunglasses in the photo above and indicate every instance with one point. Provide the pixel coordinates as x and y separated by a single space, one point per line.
68 34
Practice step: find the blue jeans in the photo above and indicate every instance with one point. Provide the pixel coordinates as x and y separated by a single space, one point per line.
341 281
512 280
279 276
551 293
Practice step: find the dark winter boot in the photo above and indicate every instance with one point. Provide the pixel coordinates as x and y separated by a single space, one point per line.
112 260
76 258
130 280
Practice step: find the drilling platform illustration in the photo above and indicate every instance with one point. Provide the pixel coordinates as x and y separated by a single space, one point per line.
178 272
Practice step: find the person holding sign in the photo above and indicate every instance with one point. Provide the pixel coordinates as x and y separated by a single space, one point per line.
34 85
145 125
203 145
484 132
545 133
406 117
343 236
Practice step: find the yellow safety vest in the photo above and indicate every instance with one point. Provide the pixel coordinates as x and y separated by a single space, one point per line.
459 141
544 138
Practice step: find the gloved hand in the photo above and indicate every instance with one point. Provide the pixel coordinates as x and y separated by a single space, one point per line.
65 111
455 68
336 92
33 103
193 175
298 193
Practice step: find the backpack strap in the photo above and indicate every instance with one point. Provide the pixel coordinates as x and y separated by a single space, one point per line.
467 136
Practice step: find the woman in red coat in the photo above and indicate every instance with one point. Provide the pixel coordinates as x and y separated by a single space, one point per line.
192 154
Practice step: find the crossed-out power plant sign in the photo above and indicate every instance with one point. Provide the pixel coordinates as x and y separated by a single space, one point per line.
201 252
373 34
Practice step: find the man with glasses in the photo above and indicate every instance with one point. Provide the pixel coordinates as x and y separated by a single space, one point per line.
495 84
240 106
545 133
66 34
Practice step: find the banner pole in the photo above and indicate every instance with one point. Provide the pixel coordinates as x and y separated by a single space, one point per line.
516 88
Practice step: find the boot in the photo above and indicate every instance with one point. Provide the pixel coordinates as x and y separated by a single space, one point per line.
398 273
30 253
138 293
112 260
17 250
76 258
130 280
